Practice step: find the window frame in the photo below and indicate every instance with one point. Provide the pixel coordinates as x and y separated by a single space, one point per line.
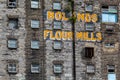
34 23
35 69
59 67
35 3
90 68
111 67
11 67
57 48
58 22
108 45
87 8
8 4
38 44
87 53
13 21
89 25
57 6
15 43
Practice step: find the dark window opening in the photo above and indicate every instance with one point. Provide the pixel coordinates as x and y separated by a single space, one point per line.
89 52
12 4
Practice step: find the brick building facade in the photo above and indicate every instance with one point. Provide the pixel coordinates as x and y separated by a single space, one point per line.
37 40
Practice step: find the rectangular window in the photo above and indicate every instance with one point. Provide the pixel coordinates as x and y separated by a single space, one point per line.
88 7
35 44
109 45
89 26
12 68
109 9
89 34
112 77
111 68
35 68
34 3
57 25
57 6
109 28
90 68
12 3
57 45
12 43
106 17
13 23
57 68
89 52
34 24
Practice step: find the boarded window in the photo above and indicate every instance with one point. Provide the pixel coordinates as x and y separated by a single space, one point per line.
89 52
35 68
57 68
34 24
34 3
89 7
12 68
13 23
90 68
12 43
35 44
57 25
57 45
12 3
56 6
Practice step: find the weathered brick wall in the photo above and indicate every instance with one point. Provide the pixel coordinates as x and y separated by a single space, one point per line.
5 33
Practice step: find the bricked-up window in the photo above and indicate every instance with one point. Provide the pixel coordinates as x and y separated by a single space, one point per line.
12 3
35 68
35 24
89 52
88 7
109 14
57 45
57 6
57 24
35 44
13 23
90 68
12 68
12 43
34 3
110 45
89 26
57 68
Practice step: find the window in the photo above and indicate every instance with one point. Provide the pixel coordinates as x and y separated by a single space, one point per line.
56 6
57 45
12 43
90 68
89 27
57 68
12 68
89 52
35 68
109 28
57 25
35 44
111 68
109 9
111 72
34 3
88 7
34 24
106 17
12 3
109 14
13 23
109 45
